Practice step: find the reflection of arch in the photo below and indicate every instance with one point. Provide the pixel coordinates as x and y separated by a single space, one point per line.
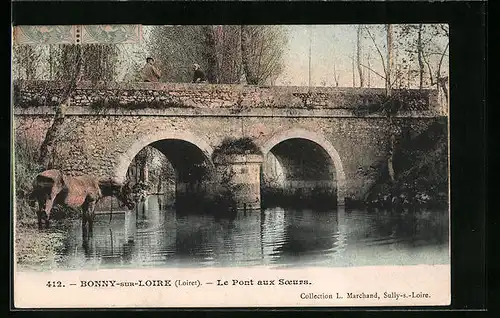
127 157
321 141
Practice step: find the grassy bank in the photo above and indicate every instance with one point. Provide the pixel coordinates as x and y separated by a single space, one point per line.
37 250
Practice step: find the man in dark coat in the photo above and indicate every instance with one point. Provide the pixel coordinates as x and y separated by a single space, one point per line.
199 76
150 73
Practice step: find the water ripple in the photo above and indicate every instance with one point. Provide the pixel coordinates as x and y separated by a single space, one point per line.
284 237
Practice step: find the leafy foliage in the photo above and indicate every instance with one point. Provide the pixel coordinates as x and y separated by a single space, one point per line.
26 168
222 51
421 167
237 146
400 100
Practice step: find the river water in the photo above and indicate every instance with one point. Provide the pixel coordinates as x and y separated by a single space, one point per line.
154 235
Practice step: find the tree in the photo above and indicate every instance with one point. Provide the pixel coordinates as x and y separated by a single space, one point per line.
420 53
55 62
209 54
176 48
384 64
390 56
262 49
368 62
228 53
359 56
26 59
47 148
100 62
387 64
224 52
424 48
335 76
388 88
436 77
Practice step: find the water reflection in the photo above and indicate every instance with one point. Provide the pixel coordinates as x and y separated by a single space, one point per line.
155 235
307 233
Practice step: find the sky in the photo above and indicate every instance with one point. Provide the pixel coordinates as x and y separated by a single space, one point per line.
330 45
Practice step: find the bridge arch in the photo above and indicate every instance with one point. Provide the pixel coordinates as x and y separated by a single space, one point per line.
126 158
299 133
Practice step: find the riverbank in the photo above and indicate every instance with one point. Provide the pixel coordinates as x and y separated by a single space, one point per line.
35 249
420 165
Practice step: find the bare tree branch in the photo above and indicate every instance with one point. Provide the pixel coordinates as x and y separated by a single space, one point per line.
377 48
358 56
370 69
441 60
431 76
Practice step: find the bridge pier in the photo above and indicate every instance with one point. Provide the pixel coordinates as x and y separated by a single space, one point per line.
341 195
240 174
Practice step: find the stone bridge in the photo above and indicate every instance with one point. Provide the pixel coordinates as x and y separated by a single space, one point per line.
340 133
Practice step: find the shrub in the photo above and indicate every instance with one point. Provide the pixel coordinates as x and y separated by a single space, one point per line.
421 166
26 168
239 146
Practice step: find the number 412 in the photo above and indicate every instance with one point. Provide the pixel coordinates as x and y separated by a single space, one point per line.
54 284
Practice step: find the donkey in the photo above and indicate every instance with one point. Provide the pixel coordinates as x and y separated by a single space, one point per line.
52 187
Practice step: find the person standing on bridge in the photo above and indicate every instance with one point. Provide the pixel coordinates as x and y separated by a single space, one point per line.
150 73
199 76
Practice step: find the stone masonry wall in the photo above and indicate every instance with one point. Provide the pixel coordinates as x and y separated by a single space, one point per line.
96 144
237 97
103 143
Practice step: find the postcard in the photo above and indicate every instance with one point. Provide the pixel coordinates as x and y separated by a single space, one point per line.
161 166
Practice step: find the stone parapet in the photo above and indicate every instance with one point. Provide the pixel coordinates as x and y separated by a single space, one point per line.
238 98
220 112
